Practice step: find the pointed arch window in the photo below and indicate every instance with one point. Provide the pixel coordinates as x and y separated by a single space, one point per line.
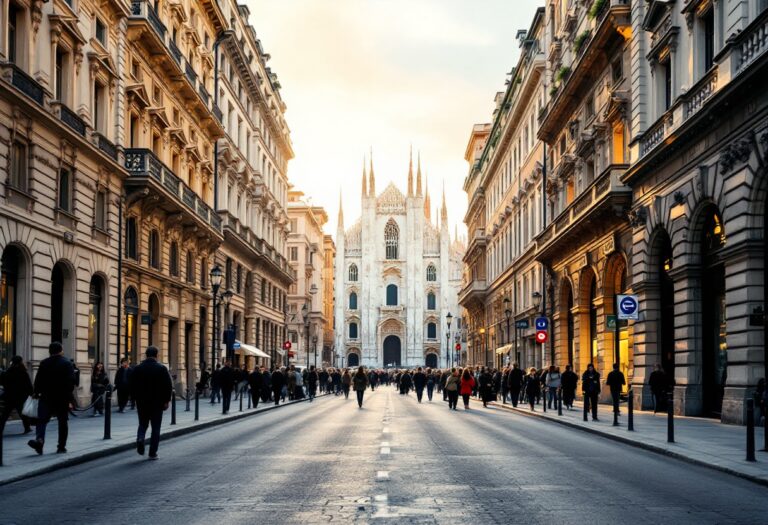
353 273
353 330
431 331
392 295
431 301
353 301
391 239
431 273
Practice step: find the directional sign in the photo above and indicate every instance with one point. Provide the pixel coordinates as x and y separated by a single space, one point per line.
523 323
610 322
236 345
541 336
541 323
628 307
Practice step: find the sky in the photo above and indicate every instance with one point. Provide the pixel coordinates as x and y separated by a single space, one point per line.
384 75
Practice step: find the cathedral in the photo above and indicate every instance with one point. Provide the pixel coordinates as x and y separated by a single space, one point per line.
397 278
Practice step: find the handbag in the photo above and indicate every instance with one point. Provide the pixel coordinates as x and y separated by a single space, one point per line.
30 407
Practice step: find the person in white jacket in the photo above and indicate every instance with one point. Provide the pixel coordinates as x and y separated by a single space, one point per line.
553 382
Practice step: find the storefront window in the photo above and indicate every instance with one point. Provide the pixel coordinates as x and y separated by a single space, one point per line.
8 276
131 313
94 320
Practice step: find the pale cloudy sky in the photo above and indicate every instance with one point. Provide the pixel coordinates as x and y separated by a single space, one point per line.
385 74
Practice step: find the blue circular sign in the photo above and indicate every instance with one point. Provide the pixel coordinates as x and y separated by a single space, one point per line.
628 305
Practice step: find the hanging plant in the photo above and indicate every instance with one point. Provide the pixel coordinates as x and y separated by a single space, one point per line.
597 6
562 73
578 44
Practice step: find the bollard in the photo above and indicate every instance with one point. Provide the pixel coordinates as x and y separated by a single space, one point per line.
108 414
241 400
615 418
188 396
249 400
670 418
630 412
2 432
197 404
751 430
559 401
586 407
173 408
545 396
765 435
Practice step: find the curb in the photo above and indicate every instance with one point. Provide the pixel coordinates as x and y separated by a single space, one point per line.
638 444
164 435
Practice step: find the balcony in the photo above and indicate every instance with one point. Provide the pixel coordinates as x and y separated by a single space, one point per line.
70 118
473 292
478 239
603 203
24 83
145 170
236 232
104 145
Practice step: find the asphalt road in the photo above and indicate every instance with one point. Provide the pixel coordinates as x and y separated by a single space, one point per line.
394 461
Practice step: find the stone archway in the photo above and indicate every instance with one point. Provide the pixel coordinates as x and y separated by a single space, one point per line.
430 360
353 360
392 351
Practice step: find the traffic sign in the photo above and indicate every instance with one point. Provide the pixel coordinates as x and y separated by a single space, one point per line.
522 324
541 323
541 336
458 346
610 322
628 307
236 345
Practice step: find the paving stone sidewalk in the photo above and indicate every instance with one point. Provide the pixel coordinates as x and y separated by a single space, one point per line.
86 436
706 442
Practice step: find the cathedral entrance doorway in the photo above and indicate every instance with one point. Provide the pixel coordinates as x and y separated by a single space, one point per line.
431 361
392 351
353 360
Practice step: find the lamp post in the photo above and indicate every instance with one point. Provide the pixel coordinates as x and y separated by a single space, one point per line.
536 296
305 315
485 342
312 293
216 277
314 347
508 315
225 298
448 319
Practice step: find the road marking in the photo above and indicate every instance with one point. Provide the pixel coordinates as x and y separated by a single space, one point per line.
382 475
384 444
385 430
384 451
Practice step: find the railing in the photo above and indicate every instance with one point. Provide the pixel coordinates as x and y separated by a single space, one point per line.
699 94
217 113
106 146
26 84
752 42
71 119
203 93
653 136
175 51
190 72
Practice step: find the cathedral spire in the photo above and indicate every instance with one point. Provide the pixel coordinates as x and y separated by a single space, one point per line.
365 186
427 203
418 178
444 210
410 173
372 179
341 212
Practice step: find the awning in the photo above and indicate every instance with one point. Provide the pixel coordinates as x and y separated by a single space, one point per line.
281 352
504 349
247 350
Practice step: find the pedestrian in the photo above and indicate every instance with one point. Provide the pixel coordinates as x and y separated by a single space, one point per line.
205 377
568 382
216 384
373 379
99 385
486 387
336 381
553 384
616 382
515 381
504 385
496 383
532 387
346 382
298 389
658 384
406 383
54 387
152 389
466 386
256 382
312 380
290 381
227 383
17 387
451 388
360 381
430 383
419 382
278 383
123 384
590 386
266 387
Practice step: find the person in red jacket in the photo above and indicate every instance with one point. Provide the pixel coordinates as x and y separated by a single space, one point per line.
466 387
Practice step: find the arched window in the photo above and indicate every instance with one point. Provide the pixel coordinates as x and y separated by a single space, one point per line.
431 302
173 259
353 273
154 249
131 248
353 330
190 267
131 300
392 295
431 273
203 272
391 239
95 293
353 301
431 331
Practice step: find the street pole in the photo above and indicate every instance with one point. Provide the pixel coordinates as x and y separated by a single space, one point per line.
215 328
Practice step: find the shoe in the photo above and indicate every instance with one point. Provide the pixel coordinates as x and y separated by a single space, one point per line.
61 450
153 457
140 446
36 445
595 419
27 431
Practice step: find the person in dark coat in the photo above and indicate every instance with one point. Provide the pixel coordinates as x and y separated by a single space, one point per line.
658 383
616 382
590 386
373 379
227 381
216 385
486 387
278 382
568 382
515 383
505 385
266 388
256 382
323 380
54 387
17 387
430 383
496 383
99 385
205 378
360 384
419 382
532 387
122 384
152 389
312 379
406 383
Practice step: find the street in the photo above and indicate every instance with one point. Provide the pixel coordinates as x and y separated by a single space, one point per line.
394 461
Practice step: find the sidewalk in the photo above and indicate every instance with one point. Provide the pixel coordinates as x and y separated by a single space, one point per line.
705 442
86 436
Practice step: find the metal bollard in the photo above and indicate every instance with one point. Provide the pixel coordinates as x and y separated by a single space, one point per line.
241 399
630 412
173 408
108 414
615 418
2 432
559 401
545 396
751 430
250 395
197 404
188 400
670 418
586 407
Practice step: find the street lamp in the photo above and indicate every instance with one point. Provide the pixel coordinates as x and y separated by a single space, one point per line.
314 345
216 276
485 341
536 300
305 315
508 314
448 319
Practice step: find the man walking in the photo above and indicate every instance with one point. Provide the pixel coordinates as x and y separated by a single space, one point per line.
312 379
616 382
122 384
54 387
216 385
419 382
151 389
278 381
568 383
590 386
515 383
227 384
256 382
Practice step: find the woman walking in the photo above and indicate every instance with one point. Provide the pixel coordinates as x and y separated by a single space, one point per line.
360 381
553 383
486 387
430 383
17 387
346 381
532 387
466 387
452 389
99 385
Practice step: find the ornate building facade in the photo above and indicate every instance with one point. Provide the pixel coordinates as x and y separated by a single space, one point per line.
397 279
